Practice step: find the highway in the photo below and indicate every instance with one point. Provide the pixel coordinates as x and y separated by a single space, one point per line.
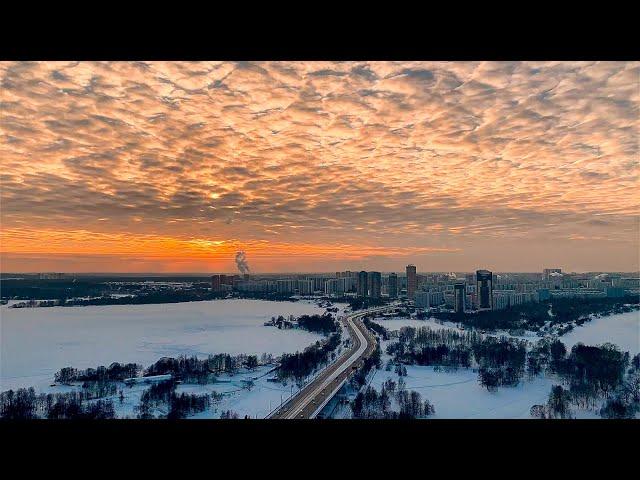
308 402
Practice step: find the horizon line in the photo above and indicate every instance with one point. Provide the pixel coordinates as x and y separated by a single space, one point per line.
300 272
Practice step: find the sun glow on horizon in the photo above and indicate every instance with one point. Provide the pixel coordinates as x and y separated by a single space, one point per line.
176 165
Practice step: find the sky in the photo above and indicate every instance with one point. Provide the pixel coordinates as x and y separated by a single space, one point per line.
319 166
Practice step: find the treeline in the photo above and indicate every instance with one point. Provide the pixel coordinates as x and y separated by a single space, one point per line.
589 373
25 404
299 365
566 310
360 303
163 296
188 369
500 361
373 405
377 328
27 289
163 396
116 372
202 371
593 371
89 403
272 296
69 292
374 360
532 316
558 405
324 324
625 401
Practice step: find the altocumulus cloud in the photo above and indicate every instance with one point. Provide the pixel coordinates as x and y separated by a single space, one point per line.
430 159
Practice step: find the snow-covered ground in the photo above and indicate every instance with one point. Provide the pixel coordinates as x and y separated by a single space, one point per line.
622 329
396 323
458 394
37 342
254 402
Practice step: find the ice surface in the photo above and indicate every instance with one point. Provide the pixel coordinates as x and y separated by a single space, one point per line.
622 329
36 342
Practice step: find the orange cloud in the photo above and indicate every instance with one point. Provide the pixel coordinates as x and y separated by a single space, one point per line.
319 158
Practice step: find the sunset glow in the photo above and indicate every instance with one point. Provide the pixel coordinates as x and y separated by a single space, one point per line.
318 166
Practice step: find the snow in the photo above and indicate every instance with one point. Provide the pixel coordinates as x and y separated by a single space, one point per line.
37 342
621 329
396 323
458 394
255 401
149 379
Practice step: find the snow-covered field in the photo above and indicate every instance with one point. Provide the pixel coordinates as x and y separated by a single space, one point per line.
255 402
36 342
458 394
399 322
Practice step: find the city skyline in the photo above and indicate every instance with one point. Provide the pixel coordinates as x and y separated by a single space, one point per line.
173 167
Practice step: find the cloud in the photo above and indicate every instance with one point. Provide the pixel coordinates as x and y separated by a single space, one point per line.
389 154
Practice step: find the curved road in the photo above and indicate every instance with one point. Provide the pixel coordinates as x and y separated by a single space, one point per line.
308 402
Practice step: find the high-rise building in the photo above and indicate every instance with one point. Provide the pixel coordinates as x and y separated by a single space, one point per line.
286 285
216 283
305 287
363 284
393 285
484 289
543 294
422 299
411 281
615 292
376 284
429 298
334 286
460 294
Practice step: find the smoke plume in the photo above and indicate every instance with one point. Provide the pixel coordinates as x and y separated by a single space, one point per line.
241 262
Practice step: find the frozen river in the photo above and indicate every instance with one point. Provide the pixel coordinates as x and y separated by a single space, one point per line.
37 342
622 329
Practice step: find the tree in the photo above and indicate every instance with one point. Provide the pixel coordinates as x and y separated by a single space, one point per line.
538 411
558 403
252 362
